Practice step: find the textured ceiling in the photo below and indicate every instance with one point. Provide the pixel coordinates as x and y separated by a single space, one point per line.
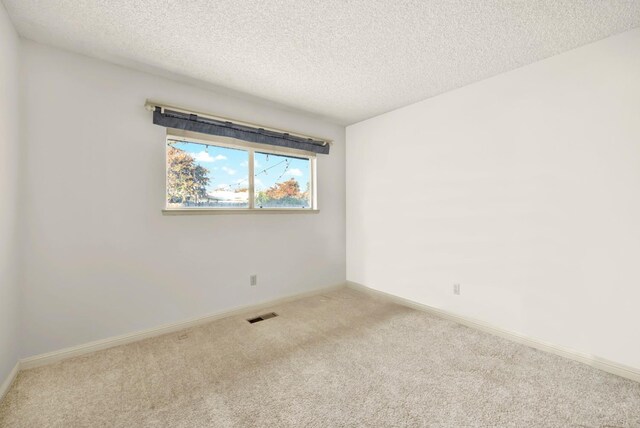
344 59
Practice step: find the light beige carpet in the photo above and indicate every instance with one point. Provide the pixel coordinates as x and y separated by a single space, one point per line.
342 359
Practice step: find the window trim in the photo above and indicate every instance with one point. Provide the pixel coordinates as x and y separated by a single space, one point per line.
250 148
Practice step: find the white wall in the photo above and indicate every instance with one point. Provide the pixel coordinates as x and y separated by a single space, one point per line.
9 189
100 258
524 188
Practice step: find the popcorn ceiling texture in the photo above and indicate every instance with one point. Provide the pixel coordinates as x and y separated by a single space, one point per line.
346 60
342 359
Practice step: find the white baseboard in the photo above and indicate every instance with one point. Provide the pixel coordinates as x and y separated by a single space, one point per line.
75 351
591 360
4 388
87 348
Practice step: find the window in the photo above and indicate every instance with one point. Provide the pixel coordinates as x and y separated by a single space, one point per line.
281 181
222 175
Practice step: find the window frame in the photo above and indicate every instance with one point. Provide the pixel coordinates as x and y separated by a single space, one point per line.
250 148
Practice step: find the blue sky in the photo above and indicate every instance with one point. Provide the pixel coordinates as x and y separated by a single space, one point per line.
228 168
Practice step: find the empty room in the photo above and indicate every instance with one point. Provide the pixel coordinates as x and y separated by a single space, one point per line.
341 213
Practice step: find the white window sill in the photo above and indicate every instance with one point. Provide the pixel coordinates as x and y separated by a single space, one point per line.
214 211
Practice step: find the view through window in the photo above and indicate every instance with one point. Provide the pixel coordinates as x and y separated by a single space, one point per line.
209 176
281 181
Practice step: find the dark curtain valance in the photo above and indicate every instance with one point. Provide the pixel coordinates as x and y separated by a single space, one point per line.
195 123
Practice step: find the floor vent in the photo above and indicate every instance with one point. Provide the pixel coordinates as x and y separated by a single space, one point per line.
262 317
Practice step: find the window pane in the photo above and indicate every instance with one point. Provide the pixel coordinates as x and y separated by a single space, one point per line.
204 176
282 181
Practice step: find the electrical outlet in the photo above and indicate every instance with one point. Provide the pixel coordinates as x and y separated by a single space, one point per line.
456 289
253 280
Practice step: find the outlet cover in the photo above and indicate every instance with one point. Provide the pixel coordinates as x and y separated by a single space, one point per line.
253 280
456 289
